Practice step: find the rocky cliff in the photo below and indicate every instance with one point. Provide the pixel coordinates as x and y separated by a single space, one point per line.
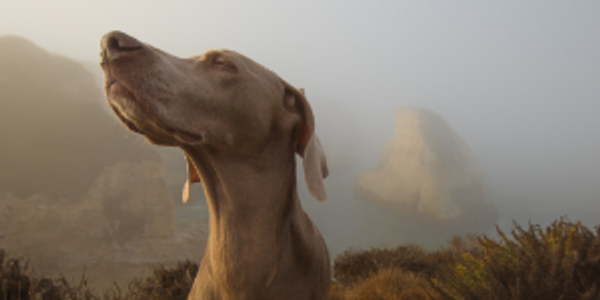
428 173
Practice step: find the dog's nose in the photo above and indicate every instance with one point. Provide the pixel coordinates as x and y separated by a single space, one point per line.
116 44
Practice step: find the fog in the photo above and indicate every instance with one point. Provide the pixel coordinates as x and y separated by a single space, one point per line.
518 81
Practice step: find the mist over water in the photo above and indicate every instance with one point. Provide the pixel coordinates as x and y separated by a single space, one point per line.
518 82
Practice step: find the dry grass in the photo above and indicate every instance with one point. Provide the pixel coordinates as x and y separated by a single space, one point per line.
562 262
393 284
353 266
19 282
165 283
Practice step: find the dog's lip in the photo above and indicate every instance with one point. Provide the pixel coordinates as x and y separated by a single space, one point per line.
116 89
183 135
187 136
127 123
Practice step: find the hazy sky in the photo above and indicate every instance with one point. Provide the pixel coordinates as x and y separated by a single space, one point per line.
518 80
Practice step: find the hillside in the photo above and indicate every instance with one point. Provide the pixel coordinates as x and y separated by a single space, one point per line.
77 188
55 138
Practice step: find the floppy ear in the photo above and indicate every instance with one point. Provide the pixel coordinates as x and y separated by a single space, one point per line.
193 177
315 168
308 145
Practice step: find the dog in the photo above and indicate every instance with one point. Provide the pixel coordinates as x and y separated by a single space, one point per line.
240 127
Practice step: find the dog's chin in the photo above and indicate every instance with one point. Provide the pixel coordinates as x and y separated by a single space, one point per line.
150 131
137 117
134 116
129 124
124 105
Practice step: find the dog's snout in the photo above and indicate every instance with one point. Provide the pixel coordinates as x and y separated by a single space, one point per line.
116 44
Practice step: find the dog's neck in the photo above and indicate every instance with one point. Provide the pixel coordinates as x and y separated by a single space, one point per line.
243 189
252 202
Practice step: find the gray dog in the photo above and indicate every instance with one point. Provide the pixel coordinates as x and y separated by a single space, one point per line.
240 126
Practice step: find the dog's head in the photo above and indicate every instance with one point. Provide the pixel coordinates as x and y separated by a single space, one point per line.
220 99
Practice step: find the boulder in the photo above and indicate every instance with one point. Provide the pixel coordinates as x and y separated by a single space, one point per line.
428 173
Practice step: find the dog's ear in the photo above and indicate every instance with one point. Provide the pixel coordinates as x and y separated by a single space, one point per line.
308 145
193 177
315 168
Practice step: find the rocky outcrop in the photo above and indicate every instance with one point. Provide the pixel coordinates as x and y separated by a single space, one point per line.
129 199
97 230
427 172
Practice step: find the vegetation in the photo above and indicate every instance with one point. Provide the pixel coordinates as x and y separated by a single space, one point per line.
402 273
165 283
17 282
562 262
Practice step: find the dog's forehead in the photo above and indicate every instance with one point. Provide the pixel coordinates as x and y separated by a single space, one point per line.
232 56
242 63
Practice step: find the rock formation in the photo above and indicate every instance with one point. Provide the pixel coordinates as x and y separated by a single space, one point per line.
428 173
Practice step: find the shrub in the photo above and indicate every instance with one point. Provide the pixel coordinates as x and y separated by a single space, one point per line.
561 263
353 266
19 282
393 284
14 283
337 292
165 283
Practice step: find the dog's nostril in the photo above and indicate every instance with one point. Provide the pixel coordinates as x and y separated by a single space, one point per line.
124 44
118 44
113 43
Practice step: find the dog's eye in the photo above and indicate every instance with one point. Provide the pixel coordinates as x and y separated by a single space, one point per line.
224 64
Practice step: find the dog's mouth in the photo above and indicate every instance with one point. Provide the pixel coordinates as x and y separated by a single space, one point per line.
111 95
124 120
139 117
